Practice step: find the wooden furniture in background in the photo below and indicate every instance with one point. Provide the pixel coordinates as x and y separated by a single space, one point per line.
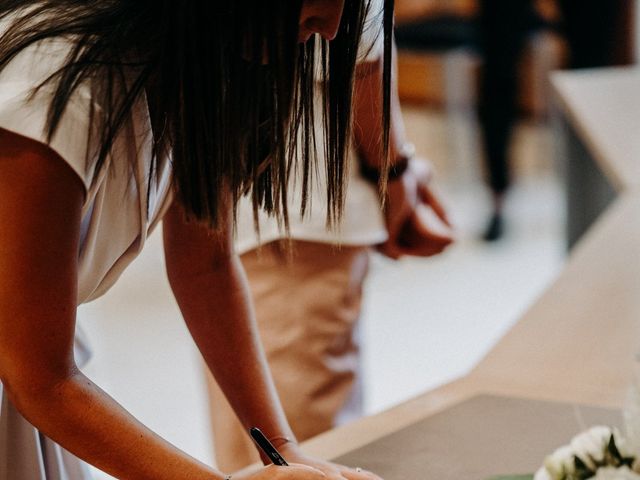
422 76
408 10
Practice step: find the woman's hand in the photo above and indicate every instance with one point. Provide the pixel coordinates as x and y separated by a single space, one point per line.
304 467
328 470
416 221
273 472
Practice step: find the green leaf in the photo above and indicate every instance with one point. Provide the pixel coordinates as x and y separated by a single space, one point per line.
582 471
612 448
628 461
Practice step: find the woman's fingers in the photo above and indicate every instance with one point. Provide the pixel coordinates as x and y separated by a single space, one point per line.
301 472
417 222
428 197
424 234
359 474
395 224
294 471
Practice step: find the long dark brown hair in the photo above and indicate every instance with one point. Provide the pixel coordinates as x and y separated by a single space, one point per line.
230 90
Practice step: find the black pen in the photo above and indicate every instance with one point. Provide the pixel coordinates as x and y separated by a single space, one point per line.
267 447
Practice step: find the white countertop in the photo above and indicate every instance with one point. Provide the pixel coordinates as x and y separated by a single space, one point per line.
603 105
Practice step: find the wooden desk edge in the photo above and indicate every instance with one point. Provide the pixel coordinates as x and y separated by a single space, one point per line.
344 439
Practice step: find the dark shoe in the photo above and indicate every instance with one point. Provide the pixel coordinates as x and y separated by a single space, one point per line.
495 228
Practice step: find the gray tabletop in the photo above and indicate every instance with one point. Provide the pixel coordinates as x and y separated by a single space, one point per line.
478 439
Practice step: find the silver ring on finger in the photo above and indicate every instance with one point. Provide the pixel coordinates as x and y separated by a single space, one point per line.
358 469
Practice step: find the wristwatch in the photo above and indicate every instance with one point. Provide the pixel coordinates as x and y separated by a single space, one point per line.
395 170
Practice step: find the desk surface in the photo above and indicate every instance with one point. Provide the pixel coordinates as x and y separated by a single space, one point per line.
479 439
604 107
579 340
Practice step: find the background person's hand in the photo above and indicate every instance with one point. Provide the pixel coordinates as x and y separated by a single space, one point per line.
417 222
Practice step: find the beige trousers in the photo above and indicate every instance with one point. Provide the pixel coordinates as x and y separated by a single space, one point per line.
307 304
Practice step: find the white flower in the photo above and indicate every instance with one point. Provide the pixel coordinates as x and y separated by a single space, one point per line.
590 446
610 473
560 463
625 447
632 414
542 474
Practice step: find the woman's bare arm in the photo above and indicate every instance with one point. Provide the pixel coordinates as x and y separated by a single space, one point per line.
209 284
40 210
411 196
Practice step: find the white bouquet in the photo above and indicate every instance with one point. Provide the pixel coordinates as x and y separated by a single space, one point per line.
599 453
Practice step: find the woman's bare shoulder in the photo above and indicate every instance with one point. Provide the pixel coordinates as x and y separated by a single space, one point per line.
30 162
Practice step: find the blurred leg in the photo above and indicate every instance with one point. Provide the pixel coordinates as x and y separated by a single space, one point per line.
504 25
307 310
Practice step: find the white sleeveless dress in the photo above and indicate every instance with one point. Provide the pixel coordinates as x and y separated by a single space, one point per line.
116 222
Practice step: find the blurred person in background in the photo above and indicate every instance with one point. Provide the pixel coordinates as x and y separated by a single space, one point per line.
593 32
307 286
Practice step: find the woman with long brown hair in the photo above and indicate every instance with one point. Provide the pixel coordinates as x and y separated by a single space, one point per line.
114 115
